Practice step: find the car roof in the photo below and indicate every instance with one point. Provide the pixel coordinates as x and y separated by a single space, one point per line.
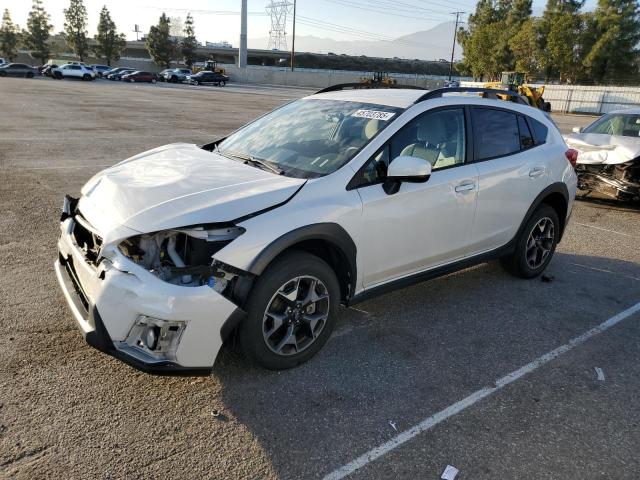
626 111
392 97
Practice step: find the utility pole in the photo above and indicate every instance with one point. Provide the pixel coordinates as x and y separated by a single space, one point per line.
453 48
242 54
293 41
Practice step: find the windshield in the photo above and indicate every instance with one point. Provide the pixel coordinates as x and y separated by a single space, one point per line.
310 137
626 125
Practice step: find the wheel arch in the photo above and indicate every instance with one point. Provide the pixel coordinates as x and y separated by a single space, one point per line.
328 241
556 196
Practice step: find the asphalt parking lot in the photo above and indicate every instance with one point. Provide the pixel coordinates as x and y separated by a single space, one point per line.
395 388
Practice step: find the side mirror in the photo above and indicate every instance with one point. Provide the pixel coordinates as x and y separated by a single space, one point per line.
576 129
406 169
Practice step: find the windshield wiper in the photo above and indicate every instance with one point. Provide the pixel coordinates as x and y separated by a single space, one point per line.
252 160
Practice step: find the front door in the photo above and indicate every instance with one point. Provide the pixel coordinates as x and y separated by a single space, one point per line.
423 225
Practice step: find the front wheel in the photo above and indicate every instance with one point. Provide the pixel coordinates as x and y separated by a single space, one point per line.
153 80
291 311
535 245
30 75
222 83
3 74
196 83
86 77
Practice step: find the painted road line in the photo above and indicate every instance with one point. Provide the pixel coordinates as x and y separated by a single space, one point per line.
603 229
475 397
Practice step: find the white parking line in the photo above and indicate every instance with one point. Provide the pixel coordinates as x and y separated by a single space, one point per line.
475 397
603 229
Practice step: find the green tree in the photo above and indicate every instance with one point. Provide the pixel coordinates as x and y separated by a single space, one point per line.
38 31
159 43
109 43
75 28
189 42
524 46
614 33
563 47
9 36
485 42
553 11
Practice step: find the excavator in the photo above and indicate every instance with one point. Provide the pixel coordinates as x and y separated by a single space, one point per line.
379 79
514 82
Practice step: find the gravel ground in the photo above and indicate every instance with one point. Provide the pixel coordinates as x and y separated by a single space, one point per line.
68 411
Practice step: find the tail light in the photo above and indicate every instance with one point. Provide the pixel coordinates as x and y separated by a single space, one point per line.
572 156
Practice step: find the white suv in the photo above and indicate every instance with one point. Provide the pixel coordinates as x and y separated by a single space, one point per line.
327 200
74 70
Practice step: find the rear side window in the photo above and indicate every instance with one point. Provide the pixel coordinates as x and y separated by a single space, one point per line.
495 132
539 131
526 138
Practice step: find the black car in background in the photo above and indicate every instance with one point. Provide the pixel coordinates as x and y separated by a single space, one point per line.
17 70
118 73
208 77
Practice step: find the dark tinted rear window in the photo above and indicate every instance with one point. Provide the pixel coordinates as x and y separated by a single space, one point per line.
526 139
495 133
539 131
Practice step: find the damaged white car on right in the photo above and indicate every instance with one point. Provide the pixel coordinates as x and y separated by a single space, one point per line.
609 155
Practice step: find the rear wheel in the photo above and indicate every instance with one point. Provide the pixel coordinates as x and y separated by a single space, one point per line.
535 245
291 311
3 74
222 83
57 75
153 80
29 74
86 77
196 83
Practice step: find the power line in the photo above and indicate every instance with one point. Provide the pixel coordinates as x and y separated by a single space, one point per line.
385 10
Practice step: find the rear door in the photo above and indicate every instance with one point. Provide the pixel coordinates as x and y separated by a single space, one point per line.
512 172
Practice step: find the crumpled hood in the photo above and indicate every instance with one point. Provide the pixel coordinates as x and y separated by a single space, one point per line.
596 148
178 185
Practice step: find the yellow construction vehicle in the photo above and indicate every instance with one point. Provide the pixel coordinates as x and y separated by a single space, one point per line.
379 78
210 66
514 82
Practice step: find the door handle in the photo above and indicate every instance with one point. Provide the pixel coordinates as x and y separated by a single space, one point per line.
465 187
536 172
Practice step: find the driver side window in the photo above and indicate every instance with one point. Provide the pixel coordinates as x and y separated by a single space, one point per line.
436 137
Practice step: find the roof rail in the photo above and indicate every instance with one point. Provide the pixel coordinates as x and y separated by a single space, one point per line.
344 86
487 93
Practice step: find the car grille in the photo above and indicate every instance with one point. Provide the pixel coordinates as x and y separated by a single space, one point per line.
88 241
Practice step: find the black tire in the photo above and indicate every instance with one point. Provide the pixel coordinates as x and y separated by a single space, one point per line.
3 74
57 75
222 83
196 83
286 268
86 77
520 262
174 79
29 74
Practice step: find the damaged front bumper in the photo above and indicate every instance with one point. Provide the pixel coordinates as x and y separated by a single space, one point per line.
114 305
620 181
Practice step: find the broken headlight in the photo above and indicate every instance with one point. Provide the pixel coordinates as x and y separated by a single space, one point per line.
184 256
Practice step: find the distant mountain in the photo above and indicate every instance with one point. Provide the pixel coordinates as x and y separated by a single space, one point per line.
432 44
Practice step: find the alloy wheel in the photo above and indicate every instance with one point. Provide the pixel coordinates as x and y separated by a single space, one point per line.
295 315
540 243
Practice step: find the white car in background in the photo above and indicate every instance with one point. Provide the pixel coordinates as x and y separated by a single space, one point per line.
74 70
609 155
327 200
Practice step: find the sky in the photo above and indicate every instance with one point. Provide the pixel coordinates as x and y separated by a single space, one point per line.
218 20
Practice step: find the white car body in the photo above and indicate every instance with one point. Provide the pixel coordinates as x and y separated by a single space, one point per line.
603 149
460 216
74 70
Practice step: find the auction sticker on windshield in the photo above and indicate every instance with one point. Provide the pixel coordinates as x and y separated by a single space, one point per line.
373 114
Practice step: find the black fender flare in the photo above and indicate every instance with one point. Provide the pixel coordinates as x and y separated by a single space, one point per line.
557 187
331 233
